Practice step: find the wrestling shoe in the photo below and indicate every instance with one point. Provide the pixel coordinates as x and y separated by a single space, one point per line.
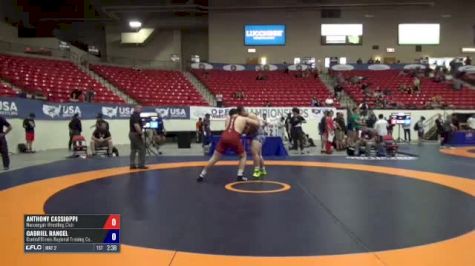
241 178
257 174
200 179
263 172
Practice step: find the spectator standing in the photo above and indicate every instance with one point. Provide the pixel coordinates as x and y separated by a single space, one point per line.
288 126
29 126
207 130
329 134
5 128
89 96
419 127
439 124
75 129
471 122
340 131
381 128
280 132
137 144
407 132
296 130
199 130
448 128
359 61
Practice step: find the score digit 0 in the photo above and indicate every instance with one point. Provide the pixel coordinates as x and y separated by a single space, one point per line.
113 222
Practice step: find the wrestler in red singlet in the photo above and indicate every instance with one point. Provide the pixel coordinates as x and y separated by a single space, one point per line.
230 139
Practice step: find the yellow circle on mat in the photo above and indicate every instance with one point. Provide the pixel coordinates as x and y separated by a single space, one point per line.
284 187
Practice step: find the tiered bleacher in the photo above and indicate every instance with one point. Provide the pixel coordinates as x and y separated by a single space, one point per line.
5 90
152 87
391 80
277 89
54 79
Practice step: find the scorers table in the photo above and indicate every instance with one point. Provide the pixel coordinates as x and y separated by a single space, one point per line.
72 233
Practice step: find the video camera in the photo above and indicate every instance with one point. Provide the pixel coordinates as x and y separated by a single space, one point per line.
149 120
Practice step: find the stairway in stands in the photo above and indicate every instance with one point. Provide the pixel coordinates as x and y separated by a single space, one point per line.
207 95
107 84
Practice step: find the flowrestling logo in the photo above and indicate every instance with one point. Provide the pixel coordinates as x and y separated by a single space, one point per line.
8 108
61 111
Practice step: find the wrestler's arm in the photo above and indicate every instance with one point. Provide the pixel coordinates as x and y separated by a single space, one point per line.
254 122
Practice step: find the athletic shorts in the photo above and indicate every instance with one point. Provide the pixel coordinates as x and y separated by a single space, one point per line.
230 141
259 137
30 136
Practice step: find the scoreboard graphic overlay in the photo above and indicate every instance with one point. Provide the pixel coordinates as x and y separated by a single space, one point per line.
72 233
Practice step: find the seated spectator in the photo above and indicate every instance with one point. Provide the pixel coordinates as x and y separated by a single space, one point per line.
377 61
468 61
75 95
416 84
457 84
268 104
239 95
286 68
219 100
366 141
315 102
101 137
370 61
316 74
359 61
261 76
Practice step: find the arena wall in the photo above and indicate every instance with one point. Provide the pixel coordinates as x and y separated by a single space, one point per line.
226 31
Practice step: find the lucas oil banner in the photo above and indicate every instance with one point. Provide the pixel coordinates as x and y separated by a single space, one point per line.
11 107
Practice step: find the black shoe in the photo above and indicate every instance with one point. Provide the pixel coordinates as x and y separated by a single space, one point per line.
6 168
200 179
241 178
132 167
142 167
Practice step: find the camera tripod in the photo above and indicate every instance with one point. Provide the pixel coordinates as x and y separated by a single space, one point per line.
151 146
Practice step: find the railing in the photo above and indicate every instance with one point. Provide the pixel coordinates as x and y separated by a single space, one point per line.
131 62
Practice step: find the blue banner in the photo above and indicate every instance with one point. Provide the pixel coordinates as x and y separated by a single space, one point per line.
11 107
264 35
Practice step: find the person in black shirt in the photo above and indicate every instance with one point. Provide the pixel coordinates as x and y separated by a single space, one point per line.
439 123
101 122
75 129
101 137
3 142
29 126
137 144
206 130
75 95
287 127
296 129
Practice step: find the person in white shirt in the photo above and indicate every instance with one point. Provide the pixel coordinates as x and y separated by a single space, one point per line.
471 122
381 128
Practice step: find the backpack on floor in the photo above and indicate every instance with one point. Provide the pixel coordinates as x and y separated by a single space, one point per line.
22 148
115 152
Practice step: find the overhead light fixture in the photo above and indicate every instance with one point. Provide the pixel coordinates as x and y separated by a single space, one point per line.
135 24
390 50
